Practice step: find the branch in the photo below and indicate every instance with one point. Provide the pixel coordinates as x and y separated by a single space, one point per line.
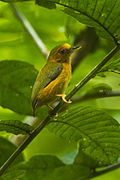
105 170
57 108
114 71
95 96
30 30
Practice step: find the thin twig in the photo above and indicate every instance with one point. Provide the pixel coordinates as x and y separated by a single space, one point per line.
30 30
56 109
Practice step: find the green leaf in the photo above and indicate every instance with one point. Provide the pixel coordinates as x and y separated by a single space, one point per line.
10 1
15 127
47 4
16 83
40 167
100 90
6 149
111 67
16 172
97 132
82 168
71 172
101 14
50 167
85 160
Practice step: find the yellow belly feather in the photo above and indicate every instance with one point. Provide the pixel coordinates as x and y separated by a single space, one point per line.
57 86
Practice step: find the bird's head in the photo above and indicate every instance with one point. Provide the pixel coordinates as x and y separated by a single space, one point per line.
62 53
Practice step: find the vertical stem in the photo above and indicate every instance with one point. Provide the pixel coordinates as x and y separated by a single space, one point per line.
30 30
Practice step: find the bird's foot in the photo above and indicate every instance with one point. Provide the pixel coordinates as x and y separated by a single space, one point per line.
63 98
50 107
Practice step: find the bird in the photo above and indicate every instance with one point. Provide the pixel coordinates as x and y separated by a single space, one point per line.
53 78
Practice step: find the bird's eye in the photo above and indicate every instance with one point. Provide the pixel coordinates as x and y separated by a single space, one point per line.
62 51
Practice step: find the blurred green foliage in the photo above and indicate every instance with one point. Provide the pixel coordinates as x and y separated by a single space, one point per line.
54 27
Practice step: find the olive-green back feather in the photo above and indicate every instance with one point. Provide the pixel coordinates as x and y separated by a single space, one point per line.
47 74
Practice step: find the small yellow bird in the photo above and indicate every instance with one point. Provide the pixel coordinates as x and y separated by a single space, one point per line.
54 77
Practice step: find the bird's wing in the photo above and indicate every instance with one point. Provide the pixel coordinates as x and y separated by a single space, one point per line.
48 73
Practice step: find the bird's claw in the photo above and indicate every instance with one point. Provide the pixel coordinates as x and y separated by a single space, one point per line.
63 98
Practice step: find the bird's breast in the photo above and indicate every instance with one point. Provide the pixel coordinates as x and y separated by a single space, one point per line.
61 82
57 86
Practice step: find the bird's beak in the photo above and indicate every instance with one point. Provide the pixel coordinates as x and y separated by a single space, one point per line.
75 48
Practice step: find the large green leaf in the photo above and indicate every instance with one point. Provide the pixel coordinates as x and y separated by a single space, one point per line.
46 167
15 127
16 83
16 172
97 133
112 67
104 15
42 166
